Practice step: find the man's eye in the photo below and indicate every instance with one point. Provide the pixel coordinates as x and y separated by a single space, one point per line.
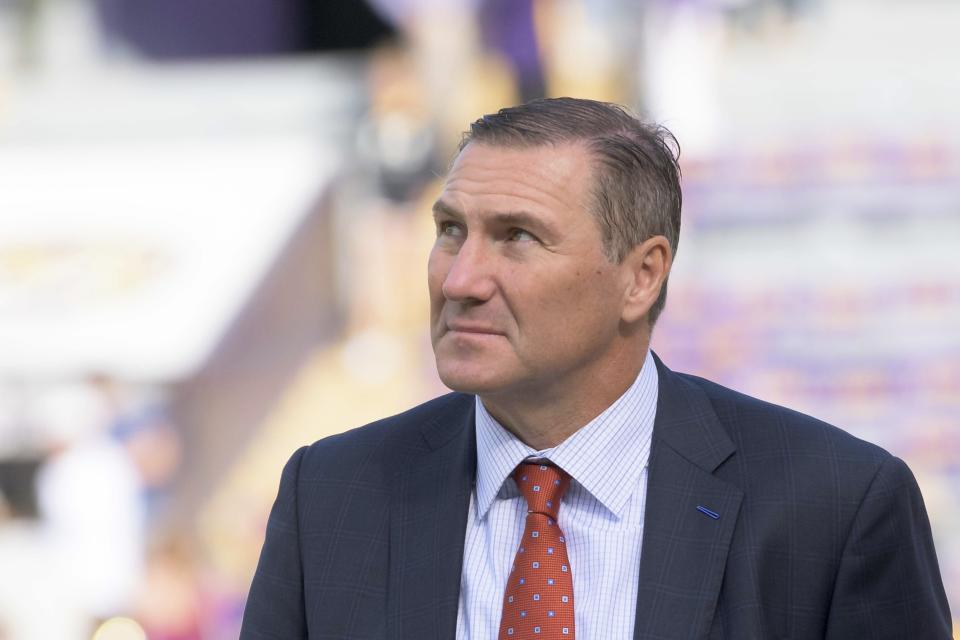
521 235
448 228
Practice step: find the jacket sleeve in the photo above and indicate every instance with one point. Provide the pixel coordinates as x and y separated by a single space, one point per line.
888 584
275 606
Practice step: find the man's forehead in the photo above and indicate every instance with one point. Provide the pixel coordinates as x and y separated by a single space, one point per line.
556 171
553 154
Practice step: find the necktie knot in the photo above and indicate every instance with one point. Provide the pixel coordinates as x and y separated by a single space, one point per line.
542 485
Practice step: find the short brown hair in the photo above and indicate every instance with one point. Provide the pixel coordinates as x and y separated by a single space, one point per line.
637 187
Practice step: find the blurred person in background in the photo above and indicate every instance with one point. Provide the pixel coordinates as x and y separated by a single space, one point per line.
450 57
90 503
520 506
140 421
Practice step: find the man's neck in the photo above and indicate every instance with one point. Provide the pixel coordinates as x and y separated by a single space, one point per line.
543 418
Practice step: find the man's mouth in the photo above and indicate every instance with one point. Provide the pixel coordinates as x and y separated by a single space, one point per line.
471 327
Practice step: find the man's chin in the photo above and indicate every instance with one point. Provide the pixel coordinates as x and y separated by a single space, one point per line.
468 380
466 384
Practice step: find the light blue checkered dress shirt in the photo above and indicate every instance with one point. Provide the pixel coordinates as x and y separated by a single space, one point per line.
601 515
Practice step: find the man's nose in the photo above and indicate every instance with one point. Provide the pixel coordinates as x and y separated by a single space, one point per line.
470 277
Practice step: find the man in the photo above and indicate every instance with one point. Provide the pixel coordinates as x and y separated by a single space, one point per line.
573 486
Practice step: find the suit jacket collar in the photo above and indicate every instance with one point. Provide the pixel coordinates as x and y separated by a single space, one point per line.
428 525
690 515
687 422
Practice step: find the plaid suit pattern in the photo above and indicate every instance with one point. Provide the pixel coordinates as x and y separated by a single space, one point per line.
816 534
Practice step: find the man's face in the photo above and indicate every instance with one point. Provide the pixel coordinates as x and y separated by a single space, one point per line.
523 299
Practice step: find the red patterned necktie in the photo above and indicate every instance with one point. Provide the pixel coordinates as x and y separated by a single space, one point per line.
538 603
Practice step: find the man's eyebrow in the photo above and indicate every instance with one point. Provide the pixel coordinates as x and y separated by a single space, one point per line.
521 218
504 217
442 208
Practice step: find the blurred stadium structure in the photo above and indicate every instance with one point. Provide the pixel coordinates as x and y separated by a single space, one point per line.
213 233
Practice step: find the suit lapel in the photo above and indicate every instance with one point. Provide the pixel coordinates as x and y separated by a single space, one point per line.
428 526
690 515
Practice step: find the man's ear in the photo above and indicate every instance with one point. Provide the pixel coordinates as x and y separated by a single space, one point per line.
646 268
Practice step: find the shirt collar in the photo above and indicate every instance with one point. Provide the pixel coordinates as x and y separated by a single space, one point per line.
606 456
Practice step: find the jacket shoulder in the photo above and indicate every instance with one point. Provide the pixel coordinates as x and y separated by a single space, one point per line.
763 429
387 443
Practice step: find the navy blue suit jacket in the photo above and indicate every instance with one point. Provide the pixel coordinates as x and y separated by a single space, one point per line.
819 534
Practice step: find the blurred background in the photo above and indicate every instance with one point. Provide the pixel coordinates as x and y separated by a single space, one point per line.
214 222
